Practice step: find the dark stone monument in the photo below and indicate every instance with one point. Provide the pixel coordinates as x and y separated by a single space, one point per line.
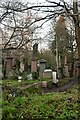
42 64
9 65
34 58
35 50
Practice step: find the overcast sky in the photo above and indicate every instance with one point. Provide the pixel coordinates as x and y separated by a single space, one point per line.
43 1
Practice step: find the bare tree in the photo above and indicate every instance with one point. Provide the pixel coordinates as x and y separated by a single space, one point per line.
50 10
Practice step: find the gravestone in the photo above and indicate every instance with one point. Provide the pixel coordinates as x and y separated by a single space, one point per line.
54 77
42 64
47 73
9 65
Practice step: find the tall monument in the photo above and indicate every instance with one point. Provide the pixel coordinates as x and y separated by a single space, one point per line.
34 58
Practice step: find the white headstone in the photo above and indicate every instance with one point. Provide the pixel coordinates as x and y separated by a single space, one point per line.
54 79
29 77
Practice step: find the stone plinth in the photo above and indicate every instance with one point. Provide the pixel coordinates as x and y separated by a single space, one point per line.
33 65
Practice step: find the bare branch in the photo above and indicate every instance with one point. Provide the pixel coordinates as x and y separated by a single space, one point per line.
9 38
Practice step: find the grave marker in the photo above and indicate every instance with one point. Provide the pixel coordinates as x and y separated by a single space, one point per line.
9 65
42 63
54 77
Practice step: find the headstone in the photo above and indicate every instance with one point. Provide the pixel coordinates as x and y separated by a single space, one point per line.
47 73
9 65
54 77
42 63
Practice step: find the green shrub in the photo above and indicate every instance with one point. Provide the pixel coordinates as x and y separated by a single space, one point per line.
24 75
35 75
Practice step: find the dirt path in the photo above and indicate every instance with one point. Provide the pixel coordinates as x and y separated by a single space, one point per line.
55 88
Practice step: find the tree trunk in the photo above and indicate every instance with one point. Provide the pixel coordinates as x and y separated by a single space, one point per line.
77 31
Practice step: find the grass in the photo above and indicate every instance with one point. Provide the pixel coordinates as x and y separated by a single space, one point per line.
31 105
23 82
